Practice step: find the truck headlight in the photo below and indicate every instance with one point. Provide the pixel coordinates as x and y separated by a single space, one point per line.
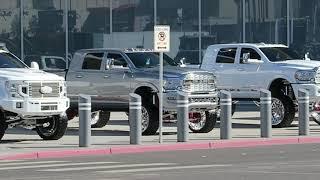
63 88
16 88
172 84
305 75
11 88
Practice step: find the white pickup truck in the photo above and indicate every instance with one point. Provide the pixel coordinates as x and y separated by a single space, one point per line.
31 98
243 69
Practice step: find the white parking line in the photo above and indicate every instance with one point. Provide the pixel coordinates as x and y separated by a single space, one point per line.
27 163
5 161
106 167
164 168
55 165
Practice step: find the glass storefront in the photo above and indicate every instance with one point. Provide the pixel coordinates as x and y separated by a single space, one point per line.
305 27
43 29
10 34
132 24
183 20
221 22
266 21
195 24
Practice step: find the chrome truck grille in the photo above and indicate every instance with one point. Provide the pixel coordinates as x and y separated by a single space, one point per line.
317 78
199 82
35 89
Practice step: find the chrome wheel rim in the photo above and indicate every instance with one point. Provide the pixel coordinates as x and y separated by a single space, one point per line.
199 123
144 118
94 117
48 128
277 110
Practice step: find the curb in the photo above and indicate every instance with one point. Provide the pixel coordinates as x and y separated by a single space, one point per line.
131 149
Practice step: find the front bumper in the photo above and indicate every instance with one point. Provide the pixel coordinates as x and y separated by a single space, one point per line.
196 101
36 107
314 90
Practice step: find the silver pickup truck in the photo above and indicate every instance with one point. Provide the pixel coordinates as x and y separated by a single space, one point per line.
111 74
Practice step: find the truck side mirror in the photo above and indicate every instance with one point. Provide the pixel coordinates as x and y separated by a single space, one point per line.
109 63
306 56
245 58
34 65
182 62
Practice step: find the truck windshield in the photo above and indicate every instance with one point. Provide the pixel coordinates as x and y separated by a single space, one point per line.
7 60
149 59
276 54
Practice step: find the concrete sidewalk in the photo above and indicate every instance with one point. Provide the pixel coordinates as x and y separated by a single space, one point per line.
116 135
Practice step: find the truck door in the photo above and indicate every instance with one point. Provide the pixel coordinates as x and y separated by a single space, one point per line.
84 80
116 81
249 75
225 68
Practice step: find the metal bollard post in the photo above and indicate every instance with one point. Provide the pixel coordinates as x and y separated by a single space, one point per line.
84 120
303 100
225 115
182 117
135 118
265 113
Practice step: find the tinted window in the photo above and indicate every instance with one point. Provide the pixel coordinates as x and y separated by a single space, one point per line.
253 54
92 61
149 59
55 63
118 59
7 60
226 55
275 54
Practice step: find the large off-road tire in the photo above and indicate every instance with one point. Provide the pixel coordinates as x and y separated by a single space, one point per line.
283 111
233 109
99 119
149 118
205 123
53 128
315 120
3 127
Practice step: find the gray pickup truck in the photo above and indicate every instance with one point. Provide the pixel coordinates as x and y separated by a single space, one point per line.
111 74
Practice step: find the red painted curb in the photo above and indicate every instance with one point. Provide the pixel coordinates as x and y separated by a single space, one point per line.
309 140
32 155
73 152
129 149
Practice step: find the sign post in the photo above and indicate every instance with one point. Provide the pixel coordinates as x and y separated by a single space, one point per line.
161 44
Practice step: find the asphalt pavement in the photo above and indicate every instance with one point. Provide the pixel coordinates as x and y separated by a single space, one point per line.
294 162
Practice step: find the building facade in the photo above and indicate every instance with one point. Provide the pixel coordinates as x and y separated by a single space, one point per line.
60 27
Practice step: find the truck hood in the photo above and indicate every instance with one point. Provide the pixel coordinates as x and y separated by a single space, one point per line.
171 71
300 64
27 74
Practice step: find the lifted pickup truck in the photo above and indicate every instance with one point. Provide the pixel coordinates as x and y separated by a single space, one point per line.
31 98
245 68
112 74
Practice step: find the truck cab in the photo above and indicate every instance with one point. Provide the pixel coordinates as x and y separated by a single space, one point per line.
245 68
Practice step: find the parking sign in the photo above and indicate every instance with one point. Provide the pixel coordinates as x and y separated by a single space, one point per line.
162 38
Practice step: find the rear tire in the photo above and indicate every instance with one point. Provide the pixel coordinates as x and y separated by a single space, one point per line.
56 128
3 127
287 113
103 119
206 124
